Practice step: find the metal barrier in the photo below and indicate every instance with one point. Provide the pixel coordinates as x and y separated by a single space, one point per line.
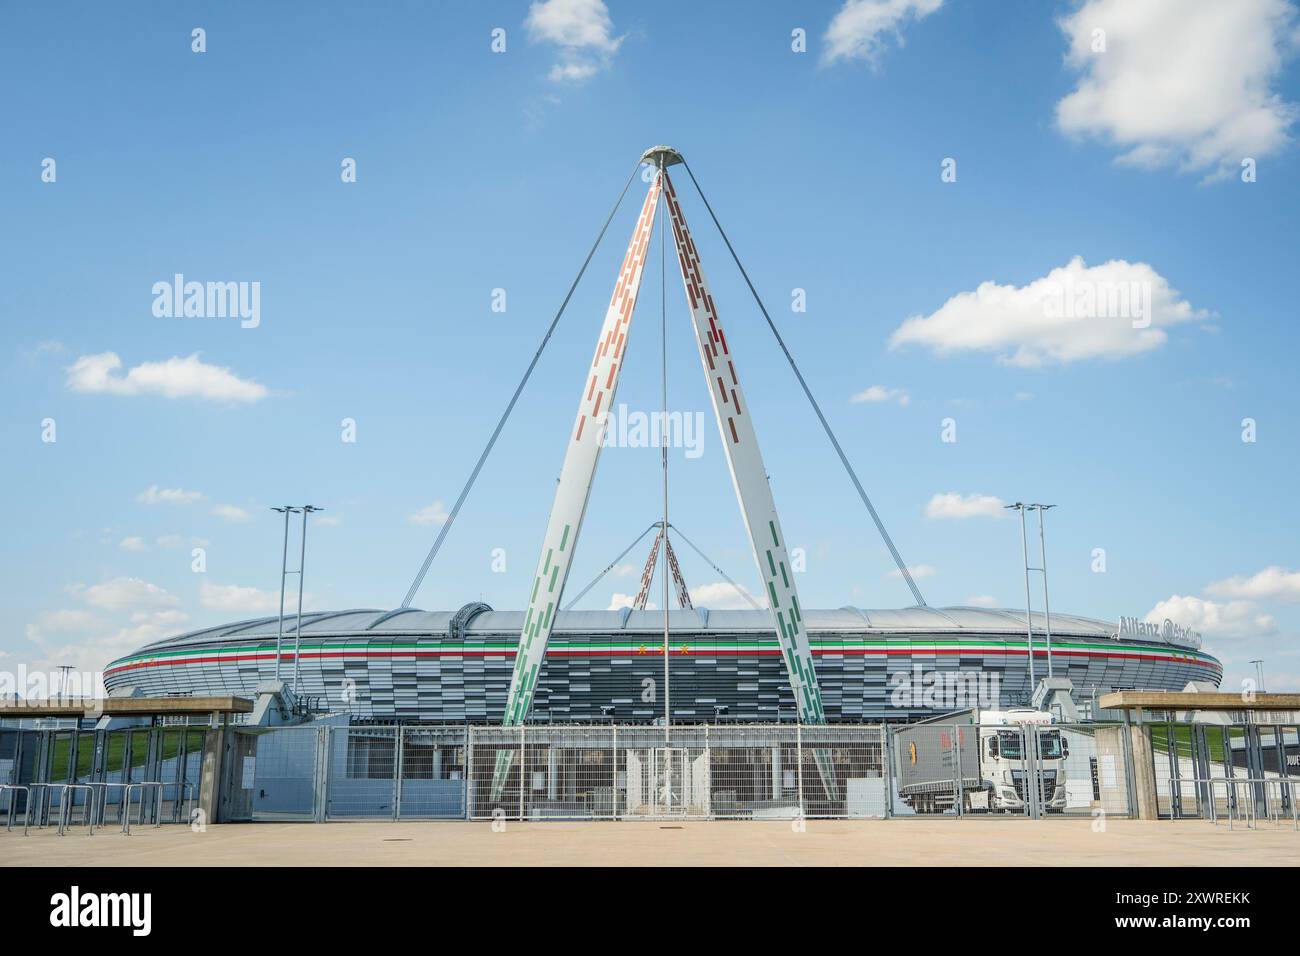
1248 808
48 769
1186 756
99 804
126 807
66 805
12 789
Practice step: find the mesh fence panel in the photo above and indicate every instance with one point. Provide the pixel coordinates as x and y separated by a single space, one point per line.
1094 772
754 772
432 772
283 772
362 772
843 771
496 774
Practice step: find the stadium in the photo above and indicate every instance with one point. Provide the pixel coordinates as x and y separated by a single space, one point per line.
549 663
410 665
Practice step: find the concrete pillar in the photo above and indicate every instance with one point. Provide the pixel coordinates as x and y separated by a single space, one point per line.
776 772
1144 773
214 749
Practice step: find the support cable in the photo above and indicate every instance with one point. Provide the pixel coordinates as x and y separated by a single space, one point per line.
496 432
663 436
880 526
610 567
739 590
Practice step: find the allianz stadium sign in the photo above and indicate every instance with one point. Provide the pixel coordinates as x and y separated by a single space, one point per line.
1167 631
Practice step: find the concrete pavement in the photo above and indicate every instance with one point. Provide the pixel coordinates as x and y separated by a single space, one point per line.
665 843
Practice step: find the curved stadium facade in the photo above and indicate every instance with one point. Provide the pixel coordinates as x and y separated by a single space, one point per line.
411 665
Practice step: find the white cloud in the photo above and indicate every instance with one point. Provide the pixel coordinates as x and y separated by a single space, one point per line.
175 377
429 514
231 513
1024 396
1232 619
133 543
583 31
327 521
917 572
982 600
167 618
624 570
861 28
1114 310
41 349
69 619
98 643
572 72
1271 584
881 393
721 596
169 541
953 505
123 593
235 597
619 601
154 495
1182 83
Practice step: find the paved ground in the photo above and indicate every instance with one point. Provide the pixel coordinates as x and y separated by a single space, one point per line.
823 843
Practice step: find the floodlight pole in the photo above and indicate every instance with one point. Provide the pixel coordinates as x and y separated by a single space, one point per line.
297 631
1259 674
284 571
1029 617
1047 604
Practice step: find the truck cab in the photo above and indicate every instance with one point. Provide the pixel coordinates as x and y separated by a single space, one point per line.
1003 734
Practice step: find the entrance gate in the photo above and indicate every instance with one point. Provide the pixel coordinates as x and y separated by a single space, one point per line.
275 774
667 782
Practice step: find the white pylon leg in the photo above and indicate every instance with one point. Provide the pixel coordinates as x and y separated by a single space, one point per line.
749 477
745 461
574 489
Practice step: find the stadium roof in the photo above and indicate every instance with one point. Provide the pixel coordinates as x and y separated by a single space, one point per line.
478 619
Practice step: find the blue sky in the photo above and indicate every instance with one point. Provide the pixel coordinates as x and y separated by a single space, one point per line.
479 170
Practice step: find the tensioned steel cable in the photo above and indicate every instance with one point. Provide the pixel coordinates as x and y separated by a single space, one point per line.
663 436
464 493
610 567
739 590
880 526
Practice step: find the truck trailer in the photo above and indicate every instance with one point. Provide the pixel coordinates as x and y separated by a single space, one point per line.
978 756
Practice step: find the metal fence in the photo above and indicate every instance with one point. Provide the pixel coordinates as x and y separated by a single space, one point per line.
1032 771
572 772
1233 773
99 777
1236 775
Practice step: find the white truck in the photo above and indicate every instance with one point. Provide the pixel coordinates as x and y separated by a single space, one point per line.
979 754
